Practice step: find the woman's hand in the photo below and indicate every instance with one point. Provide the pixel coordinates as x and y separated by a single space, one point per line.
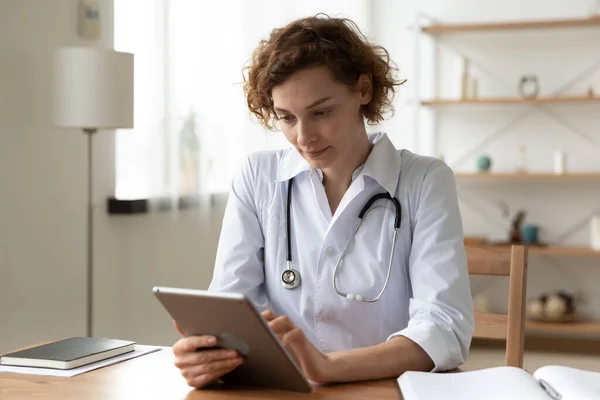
200 365
315 365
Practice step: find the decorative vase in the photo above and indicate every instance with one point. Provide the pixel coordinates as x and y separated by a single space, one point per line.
484 163
530 234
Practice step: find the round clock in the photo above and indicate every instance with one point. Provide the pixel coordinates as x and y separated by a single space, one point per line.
529 86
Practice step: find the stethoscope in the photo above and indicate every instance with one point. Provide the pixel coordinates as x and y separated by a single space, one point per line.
290 279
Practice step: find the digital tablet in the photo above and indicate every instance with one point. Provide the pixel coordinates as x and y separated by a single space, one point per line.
238 325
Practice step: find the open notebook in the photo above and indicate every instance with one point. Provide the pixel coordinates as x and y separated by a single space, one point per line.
501 383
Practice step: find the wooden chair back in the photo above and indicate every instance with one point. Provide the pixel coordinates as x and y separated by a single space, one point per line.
508 261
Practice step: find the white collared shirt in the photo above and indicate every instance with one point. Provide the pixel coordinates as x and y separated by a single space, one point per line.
428 297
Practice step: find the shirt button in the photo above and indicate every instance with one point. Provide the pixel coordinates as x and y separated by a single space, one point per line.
331 251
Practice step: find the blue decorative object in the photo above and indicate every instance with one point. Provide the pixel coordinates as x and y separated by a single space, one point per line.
530 234
484 163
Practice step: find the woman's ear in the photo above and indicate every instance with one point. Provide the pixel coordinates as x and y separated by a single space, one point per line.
365 88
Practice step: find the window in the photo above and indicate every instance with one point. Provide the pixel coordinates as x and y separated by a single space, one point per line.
192 126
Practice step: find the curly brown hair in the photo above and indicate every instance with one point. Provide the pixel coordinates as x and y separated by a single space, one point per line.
336 43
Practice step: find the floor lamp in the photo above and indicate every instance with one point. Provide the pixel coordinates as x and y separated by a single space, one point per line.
93 90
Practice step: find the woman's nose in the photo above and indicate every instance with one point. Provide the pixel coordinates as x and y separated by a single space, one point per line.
305 134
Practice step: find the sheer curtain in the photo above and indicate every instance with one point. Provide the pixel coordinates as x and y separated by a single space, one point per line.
192 126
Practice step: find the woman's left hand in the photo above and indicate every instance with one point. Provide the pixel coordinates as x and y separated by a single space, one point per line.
317 367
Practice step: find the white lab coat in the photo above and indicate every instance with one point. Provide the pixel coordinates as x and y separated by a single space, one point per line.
428 298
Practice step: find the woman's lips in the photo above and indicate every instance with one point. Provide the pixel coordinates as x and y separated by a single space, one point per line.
316 154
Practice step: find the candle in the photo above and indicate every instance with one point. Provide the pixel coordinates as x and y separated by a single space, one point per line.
595 232
560 161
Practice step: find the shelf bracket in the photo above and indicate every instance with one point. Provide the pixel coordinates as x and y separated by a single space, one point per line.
498 79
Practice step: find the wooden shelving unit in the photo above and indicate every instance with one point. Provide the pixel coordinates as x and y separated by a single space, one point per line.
545 329
511 25
587 327
512 100
526 176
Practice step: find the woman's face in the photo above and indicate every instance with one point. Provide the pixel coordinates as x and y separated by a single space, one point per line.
321 117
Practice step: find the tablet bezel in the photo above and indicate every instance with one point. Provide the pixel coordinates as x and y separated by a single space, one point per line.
234 302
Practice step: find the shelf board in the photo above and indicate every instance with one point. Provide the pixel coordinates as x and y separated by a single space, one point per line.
512 100
512 25
553 250
587 327
563 251
526 176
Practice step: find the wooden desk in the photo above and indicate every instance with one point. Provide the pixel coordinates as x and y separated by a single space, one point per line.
154 376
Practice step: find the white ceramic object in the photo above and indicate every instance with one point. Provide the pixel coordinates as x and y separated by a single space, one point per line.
595 232
560 162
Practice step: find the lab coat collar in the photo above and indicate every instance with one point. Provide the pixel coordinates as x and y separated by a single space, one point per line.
383 164
291 164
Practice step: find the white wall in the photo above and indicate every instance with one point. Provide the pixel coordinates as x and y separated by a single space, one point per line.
160 249
43 181
42 176
562 210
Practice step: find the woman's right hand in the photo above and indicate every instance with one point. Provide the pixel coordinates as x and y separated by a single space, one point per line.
199 365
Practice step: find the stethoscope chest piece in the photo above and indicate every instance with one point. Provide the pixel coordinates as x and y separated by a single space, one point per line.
290 279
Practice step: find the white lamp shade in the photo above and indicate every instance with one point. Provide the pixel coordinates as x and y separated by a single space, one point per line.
93 88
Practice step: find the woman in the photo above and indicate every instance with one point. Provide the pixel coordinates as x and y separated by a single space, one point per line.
318 80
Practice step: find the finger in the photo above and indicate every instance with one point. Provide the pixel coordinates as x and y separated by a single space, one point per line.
281 325
203 357
193 343
295 340
181 332
200 381
211 368
309 359
268 315
293 350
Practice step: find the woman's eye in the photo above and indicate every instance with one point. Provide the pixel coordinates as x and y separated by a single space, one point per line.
286 118
322 113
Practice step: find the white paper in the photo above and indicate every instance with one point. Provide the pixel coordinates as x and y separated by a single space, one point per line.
571 383
500 383
140 350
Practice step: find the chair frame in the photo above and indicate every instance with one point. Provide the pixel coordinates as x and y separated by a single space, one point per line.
508 261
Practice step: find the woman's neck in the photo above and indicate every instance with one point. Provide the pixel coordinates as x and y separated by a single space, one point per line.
338 178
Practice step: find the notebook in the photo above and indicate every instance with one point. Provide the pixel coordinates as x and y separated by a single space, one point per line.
68 353
501 383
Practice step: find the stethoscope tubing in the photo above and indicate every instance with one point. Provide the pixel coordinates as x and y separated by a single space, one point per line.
366 208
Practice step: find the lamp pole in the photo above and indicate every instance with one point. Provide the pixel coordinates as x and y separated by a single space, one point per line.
90 234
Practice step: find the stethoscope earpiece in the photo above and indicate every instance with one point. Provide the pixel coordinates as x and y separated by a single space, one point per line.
356 297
